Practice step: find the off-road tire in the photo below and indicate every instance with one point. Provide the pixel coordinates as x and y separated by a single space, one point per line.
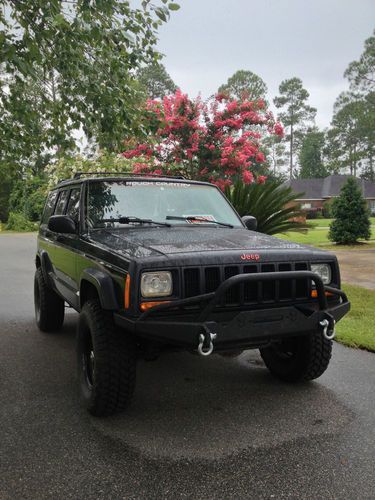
107 382
49 307
298 359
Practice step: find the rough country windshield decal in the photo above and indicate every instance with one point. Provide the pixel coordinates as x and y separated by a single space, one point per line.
159 184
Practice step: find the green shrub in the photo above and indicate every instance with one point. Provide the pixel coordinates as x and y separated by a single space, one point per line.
311 214
351 216
34 204
327 209
28 197
66 167
272 203
18 222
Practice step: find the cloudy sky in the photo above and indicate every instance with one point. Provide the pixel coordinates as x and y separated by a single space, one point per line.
206 41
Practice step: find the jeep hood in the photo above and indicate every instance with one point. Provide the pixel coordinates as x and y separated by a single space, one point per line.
167 241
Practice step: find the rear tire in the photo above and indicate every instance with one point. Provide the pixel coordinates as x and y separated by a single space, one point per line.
49 307
298 359
106 362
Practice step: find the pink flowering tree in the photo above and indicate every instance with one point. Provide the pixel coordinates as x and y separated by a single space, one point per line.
219 141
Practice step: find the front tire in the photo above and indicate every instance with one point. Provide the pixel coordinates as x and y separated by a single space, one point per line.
298 359
106 362
49 307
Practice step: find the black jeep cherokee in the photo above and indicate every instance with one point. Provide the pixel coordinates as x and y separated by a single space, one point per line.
162 263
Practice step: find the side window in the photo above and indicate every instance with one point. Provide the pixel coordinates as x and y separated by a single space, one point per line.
49 206
73 204
59 210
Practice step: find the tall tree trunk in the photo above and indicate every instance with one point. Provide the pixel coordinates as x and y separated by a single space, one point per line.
291 153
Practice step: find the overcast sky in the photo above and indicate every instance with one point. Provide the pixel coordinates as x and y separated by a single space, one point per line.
206 41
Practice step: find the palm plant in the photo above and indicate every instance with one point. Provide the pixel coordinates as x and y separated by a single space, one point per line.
272 203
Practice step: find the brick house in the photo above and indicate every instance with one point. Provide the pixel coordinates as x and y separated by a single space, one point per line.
319 191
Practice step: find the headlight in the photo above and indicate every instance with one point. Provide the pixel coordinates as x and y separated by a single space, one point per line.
323 271
156 284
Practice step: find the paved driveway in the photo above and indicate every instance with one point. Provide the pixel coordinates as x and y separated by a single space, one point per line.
357 266
198 428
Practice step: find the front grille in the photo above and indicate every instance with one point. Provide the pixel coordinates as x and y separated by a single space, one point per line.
198 281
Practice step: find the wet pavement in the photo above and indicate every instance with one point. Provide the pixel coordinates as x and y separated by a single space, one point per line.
198 428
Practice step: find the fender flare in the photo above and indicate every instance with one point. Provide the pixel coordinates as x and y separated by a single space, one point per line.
47 268
103 284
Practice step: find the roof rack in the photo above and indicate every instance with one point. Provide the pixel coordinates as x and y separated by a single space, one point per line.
78 175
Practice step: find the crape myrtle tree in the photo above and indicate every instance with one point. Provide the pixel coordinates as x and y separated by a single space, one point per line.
351 216
296 115
208 141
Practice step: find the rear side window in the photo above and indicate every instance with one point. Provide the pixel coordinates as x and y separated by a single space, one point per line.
73 204
49 206
61 202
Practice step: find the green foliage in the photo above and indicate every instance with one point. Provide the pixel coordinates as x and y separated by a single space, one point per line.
327 208
18 222
296 114
155 81
70 65
28 196
361 74
276 156
351 216
244 85
346 135
311 156
65 168
352 136
6 184
272 203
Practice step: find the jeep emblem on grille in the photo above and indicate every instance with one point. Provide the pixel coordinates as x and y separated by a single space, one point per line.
250 256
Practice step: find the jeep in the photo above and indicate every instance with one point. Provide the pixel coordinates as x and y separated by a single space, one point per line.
156 263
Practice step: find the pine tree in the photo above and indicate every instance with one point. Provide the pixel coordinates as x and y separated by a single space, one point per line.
351 216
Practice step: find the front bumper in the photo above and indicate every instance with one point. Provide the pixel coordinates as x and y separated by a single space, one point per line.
246 328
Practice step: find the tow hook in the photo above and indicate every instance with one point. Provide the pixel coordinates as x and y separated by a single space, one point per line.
209 338
328 328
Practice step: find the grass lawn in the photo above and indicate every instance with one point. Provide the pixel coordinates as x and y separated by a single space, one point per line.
318 236
327 222
357 329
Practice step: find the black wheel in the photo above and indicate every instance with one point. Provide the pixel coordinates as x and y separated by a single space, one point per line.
106 362
49 307
298 359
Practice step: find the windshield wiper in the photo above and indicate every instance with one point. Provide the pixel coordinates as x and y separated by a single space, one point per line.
199 219
130 219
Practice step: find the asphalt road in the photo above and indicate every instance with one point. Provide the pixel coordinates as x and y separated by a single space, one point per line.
198 428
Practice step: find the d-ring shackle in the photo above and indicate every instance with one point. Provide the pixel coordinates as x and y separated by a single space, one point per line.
201 350
328 329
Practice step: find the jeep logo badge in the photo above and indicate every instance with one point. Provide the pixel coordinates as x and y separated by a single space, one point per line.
250 256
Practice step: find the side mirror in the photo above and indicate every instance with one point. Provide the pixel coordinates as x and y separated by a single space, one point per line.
62 224
250 222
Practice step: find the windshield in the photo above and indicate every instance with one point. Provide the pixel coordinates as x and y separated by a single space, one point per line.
156 201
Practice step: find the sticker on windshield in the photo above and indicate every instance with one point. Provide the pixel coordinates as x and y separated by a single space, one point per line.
158 183
200 219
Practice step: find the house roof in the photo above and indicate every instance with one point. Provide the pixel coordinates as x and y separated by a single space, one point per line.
320 189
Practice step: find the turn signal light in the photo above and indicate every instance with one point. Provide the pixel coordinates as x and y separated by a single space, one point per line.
314 294
145 306
127 292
